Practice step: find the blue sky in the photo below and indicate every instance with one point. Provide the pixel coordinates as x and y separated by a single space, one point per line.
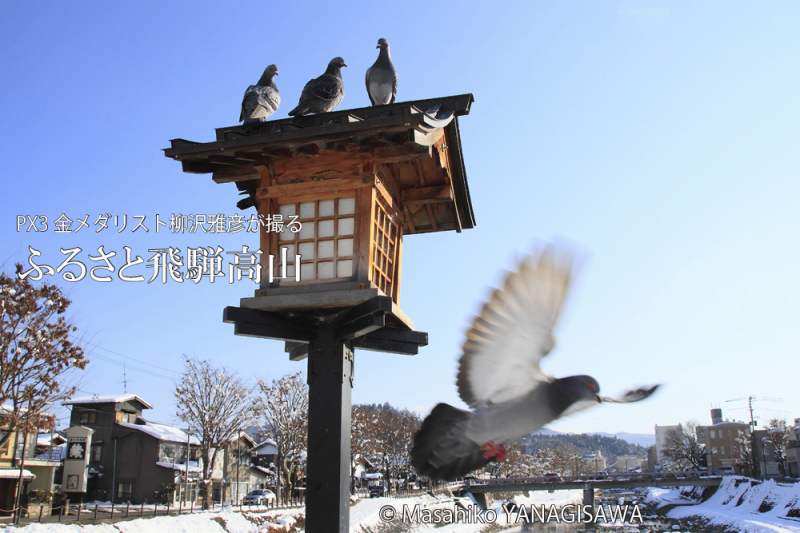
660 138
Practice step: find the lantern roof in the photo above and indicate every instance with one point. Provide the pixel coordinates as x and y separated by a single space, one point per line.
416 145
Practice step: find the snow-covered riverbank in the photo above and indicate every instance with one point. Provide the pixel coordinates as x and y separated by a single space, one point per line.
739 503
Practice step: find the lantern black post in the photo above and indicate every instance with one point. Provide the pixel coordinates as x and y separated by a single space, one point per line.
330 374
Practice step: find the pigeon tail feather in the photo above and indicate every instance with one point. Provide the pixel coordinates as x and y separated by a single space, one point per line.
441 448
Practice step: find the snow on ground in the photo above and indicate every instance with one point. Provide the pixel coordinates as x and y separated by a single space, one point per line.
740 503
659 497
189 523
365 515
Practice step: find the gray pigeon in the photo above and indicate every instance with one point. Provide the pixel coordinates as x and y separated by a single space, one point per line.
381 77
322 94
262 99
499 375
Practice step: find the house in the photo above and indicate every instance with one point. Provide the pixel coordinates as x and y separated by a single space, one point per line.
235 471
727 445
265 453
20 461
793 451
126 457
593 462
766 465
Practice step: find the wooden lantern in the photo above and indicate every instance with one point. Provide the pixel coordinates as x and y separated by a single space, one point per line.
359 180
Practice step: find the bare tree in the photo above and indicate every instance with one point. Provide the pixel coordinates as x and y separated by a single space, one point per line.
360 438
36 352
565 459
384 434
743 453
778 437
517 463
684 448
215 404
283 406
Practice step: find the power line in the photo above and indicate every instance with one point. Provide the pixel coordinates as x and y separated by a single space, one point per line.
136 360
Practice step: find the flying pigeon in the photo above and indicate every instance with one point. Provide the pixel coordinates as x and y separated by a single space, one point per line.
499 375
262 99
381 77
322 94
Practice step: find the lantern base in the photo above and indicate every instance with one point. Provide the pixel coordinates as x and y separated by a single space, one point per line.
376 324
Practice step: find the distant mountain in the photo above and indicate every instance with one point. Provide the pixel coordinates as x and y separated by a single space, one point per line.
642 439
610 446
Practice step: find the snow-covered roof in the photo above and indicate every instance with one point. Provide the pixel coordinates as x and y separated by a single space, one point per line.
267 443
48 439
108 399
193 466
11 473
162 432
244 436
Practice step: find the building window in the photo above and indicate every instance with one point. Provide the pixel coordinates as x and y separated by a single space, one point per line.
125 489
325 240
88 417
73 481
97 453
5 438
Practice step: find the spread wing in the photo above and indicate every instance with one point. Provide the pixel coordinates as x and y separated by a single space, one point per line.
514 330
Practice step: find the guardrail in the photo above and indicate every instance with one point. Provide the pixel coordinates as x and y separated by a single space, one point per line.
548 483
100 512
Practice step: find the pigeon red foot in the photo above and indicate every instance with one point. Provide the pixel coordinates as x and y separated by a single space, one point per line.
493 452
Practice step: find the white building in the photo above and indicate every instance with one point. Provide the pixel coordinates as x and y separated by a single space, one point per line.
662 435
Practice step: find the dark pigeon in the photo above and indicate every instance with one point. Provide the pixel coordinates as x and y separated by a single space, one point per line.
499 375
322 94
262 99
381 77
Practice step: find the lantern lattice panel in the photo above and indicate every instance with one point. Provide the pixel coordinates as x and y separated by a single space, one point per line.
385 249
325 242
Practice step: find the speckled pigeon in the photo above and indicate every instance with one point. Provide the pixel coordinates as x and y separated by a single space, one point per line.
499 375
262 99
324 93
381 77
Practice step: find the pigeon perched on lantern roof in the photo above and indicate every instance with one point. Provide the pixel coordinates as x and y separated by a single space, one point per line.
381 77
262 99
500 378
324 93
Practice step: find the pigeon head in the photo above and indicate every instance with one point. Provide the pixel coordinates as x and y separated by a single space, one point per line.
268 74
383 44
574 389
337 62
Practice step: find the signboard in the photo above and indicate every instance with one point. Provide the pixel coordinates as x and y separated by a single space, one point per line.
76 461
